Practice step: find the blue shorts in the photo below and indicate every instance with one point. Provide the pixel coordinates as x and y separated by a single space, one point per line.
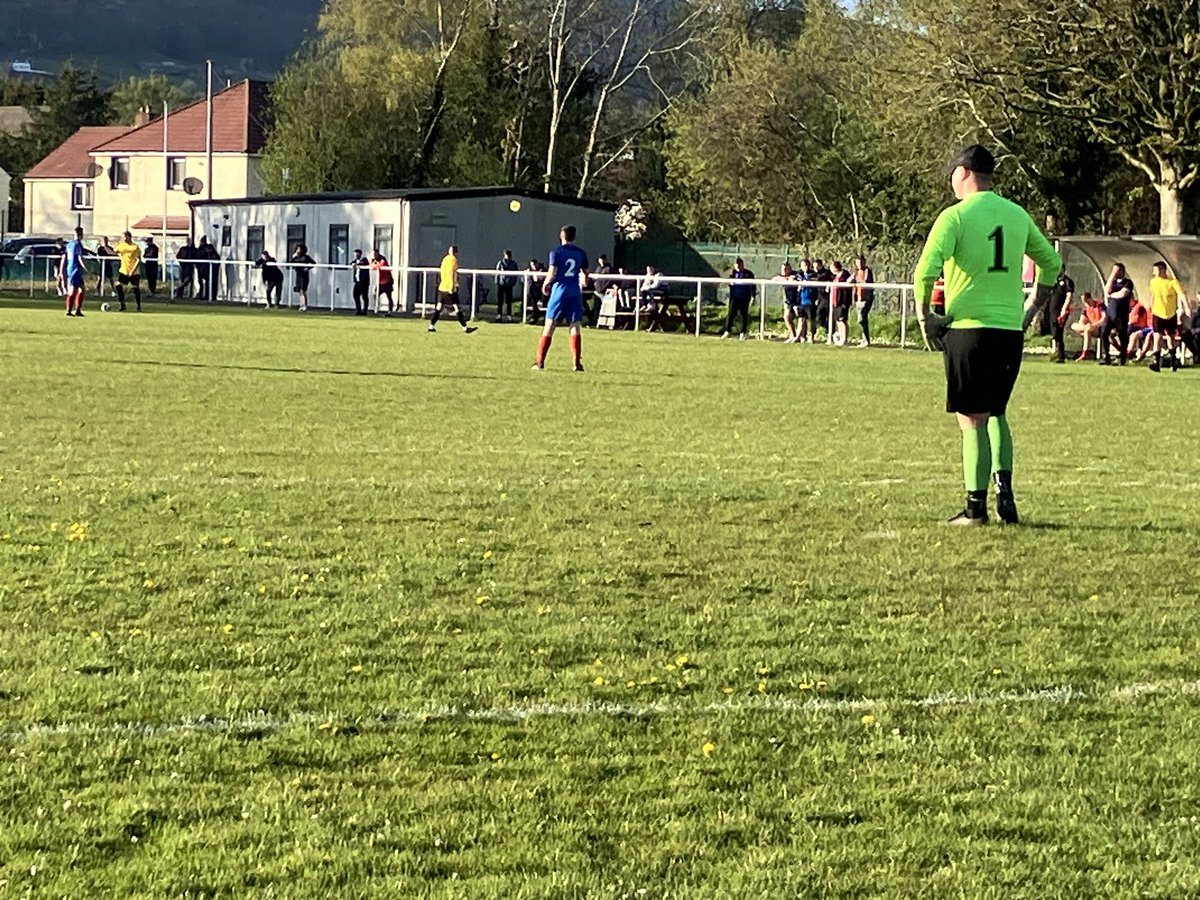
75 280
564 305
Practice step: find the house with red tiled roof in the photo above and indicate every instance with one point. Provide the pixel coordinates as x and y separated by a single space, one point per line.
59 191
142 178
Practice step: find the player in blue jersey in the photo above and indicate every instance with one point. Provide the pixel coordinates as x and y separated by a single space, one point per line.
564 286
71 273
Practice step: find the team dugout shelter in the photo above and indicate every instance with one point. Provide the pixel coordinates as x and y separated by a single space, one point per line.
412 228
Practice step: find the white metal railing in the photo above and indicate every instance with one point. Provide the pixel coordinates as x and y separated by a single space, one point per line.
331 287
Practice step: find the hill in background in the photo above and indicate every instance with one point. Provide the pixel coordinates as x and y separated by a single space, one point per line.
244 38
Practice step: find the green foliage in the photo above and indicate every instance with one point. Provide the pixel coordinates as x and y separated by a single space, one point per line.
670 625
149 91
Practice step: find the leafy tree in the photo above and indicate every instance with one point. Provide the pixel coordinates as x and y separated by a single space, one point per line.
148 92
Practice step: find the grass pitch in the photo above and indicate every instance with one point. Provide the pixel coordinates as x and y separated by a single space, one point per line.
318 606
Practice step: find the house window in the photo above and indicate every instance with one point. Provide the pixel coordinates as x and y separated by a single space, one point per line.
339 245
81 195
176 172
119 172
383 241
295 238
255 242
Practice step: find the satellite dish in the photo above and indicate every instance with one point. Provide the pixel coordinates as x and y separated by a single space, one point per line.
192 186
94 170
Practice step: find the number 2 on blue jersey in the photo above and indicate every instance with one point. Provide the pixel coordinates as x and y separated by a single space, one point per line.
569 268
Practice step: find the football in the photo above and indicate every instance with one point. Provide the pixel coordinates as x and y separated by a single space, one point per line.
105 307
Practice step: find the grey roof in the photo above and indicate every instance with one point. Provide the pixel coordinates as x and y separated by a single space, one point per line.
409 194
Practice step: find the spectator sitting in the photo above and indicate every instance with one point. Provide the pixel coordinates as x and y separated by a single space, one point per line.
1091 320
653 290
1141 327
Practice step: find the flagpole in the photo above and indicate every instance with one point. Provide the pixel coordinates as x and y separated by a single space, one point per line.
208 133
166 180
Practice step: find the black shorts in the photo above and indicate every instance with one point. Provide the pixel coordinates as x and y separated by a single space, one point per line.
135 279
385 289
841 312
447 297
822 314
1166 326
301 281
982 365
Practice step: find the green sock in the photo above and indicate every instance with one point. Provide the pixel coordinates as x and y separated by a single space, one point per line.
1000 436
977 458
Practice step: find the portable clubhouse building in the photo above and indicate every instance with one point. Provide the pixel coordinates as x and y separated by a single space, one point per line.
411 227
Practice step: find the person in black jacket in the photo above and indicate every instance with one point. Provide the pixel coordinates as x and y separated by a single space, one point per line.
186 256
360 269
740 296
206 268
272 277
150 261
302 267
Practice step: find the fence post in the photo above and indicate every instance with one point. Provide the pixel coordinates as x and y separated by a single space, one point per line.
903 318
424 299
762 313
474 295
699 301
637 304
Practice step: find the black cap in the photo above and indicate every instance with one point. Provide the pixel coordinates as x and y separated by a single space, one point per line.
976 158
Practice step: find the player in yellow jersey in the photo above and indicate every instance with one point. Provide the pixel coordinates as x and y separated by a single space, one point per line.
130 271
1167 301
447 292
980 243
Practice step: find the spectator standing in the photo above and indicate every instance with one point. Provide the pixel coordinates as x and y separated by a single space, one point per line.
506 282
1059 310
107 255
808 302
792 318
1119 294
186 256
360 272
864 297
302 265
840 298
150 260
210 270
740 295
272 277
387 282
600 286
821 274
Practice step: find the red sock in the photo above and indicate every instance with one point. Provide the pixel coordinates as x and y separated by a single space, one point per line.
543 346
576 346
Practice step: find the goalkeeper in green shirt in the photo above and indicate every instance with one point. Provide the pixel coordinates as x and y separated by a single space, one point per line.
981 242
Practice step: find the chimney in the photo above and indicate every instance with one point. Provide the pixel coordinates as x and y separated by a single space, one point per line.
142 117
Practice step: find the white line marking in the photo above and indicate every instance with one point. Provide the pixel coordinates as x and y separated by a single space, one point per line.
389 720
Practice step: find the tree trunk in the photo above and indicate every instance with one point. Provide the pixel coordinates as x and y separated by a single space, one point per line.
1173 212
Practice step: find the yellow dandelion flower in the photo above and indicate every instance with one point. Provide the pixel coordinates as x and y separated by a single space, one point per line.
868 720
681 661
709 748
226 541
997 671
542 610
597 661
630 684
227 628
149 584
821 684
495 757
356 669
762 687
262 588
727 691
487 554
1094 598
599 681
95 635
304 577
54 526
324 726
482 600
805 686
671 667
136 632
764 671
